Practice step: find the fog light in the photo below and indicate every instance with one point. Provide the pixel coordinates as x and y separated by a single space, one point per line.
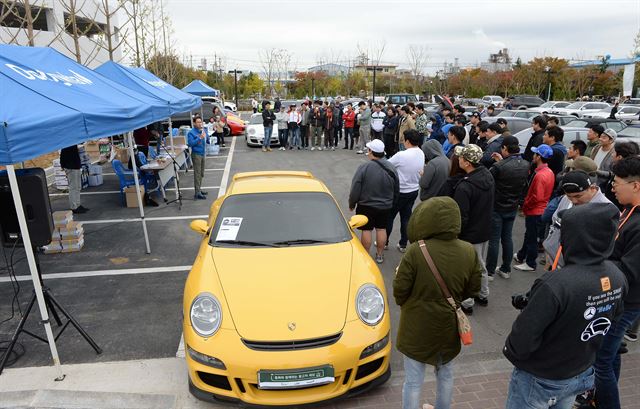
206 359
373 348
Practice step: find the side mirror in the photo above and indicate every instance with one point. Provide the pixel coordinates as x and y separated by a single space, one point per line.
358 221
199 226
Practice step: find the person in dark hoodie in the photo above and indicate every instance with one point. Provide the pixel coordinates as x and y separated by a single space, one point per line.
390 123
436 128
539 124
428 329
494 144
553 137
436 170
474 194
553 342
626 255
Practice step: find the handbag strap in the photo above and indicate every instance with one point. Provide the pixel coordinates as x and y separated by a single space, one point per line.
436 274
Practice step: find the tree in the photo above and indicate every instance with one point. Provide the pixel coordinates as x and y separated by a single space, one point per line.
417 57
14 15
269 62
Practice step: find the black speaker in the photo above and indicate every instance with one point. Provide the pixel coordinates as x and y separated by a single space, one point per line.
32 183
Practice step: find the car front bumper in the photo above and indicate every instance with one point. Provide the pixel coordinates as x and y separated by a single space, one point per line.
238 382
253 141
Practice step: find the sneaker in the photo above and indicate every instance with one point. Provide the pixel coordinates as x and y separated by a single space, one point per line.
346 147
524 267
516 259
467 310
264 149
623 349
483 302
224 146
630 336
333 148
490 277
401 248
503 274
313 148
204 193
268 149
319 148
359 152
290 148
199 196
79 210
379 258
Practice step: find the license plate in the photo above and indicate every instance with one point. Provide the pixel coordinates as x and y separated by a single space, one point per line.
295 378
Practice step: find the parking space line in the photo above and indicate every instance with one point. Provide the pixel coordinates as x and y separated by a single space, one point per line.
206 170
149 219
110 192
180 353
100 273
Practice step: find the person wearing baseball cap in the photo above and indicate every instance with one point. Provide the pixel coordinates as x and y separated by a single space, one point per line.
375 189
604 153
474 194
533 207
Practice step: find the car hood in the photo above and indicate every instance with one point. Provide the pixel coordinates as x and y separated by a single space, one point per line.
269 290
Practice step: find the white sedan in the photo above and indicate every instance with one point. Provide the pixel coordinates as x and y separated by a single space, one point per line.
549 106
580 109
255 131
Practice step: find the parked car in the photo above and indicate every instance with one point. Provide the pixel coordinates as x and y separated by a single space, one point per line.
632 101
629 134
236 125
550 105
493 99
579 109
570 134
254 135
564 119
606 123
279 310
401 99
520 113
227 104
525 101
628 113
514 124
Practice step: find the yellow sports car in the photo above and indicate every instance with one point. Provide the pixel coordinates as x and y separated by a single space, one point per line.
283 306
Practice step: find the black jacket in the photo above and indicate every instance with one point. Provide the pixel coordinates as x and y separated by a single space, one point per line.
570 310
493 147
510 176
390 125
267 118
626 255
317 118
70 158
534 141
474 195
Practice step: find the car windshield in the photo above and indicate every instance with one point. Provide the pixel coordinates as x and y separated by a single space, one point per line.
506 113
575 105
256 120
279 220
630 132
576 124
548 105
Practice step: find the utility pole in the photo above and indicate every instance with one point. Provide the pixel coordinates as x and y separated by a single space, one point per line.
235 76
374 68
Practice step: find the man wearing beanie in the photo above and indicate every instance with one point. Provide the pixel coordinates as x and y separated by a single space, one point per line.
554 340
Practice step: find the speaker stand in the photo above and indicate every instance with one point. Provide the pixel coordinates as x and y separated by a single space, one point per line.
53 306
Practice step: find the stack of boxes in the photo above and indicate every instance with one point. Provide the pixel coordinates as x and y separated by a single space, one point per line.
60 177
95 175
68 235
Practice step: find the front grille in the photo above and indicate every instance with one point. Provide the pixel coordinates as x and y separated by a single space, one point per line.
292 345
217 381
368 368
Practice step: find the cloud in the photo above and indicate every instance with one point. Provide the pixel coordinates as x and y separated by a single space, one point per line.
484 38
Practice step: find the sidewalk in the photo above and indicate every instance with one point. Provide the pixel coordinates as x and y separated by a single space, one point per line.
162 384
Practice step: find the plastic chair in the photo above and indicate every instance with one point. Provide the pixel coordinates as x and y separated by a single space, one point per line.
152 152
124 176
147 178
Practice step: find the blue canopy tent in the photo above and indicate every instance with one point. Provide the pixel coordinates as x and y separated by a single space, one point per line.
48 102
199 88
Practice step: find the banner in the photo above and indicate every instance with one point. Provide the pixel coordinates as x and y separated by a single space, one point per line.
627 79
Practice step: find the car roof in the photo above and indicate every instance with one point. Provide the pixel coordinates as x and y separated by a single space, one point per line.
275 181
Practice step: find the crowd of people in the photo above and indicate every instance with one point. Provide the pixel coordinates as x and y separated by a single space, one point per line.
581 227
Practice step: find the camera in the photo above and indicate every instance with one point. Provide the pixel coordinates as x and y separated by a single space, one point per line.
519 301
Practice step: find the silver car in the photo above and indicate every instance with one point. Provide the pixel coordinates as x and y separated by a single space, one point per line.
580 109
570 134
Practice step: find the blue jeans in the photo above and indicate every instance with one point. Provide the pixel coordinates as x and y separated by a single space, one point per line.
268 130
348 137
529 250
414 378
608 363
501 229
294 137
530 392
404 207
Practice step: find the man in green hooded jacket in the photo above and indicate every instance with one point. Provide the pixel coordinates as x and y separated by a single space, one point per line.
428 332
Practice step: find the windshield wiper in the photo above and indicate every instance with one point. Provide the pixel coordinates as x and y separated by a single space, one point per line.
300 241
247 243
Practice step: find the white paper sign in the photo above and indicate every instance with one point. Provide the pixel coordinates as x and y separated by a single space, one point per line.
229 228
627 79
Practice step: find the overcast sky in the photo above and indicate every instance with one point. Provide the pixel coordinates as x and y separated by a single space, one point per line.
469 30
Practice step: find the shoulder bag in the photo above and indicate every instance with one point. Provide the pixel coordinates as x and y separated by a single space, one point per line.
464 326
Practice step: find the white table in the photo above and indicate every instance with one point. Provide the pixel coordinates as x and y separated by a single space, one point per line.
164 168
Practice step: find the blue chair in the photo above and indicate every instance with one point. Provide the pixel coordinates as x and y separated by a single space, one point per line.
152 152
148 179
124 176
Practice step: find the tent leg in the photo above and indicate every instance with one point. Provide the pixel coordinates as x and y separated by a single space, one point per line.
175 168
170 133
37 286
135 178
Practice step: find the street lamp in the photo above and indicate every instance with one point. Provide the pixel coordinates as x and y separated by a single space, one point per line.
235 83
374 68
547 69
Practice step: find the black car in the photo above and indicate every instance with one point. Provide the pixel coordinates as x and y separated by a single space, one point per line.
588 122
526 101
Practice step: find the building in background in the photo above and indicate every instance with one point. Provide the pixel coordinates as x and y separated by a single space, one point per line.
51 25
330 69
501 61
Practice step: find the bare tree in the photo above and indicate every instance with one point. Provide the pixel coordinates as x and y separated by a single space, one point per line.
269 62
108 40
17 17
417 56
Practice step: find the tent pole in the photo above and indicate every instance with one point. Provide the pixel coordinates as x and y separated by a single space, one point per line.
173 152
37 287
170 133
135 178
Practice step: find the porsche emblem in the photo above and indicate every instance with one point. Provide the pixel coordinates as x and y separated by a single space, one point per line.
292 326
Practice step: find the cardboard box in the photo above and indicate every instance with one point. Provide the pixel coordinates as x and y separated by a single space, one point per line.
52 248
71 246
62 218
91 146
73 230
95 180
130 194
122 154
177 141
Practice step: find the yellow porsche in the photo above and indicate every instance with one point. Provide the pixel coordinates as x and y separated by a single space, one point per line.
283 306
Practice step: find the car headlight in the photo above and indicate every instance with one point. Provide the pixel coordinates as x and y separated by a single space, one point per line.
370 304
206 314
